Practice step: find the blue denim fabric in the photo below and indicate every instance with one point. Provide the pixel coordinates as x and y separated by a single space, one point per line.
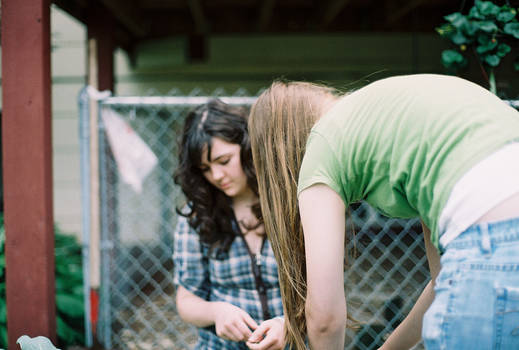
477 291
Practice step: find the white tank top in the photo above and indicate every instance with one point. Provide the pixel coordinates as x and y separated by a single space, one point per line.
488 183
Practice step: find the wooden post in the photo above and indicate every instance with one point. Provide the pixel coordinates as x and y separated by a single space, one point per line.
27 166
100 70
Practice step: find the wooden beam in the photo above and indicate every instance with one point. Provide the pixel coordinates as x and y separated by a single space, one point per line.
201 25
102 28
27 167
74 8
332 9
265 14
401 12
129 15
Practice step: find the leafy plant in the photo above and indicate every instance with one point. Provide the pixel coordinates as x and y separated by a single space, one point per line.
69 289
488 30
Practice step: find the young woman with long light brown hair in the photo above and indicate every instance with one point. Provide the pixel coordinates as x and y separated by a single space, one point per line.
429 146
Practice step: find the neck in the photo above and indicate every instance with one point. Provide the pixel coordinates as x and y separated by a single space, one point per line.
246 198
328 104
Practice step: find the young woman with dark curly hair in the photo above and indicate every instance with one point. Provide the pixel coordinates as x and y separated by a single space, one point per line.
225 271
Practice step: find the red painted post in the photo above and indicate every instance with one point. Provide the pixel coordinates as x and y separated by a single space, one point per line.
27 167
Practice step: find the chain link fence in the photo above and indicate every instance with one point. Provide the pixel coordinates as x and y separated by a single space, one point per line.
384 276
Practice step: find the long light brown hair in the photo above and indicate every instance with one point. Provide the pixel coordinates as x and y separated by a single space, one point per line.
279 125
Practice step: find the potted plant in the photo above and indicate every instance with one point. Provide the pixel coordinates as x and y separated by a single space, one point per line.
488 31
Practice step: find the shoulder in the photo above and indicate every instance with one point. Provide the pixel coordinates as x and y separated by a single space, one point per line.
185 234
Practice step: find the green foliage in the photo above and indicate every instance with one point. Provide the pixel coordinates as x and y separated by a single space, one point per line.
488 29
69 289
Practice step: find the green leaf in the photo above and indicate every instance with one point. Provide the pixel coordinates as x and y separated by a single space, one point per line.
456 19
68 334
487 8
486 26
3 335
503 49
475 14
512 29
492 60
469 28
453 59
487 46
516 63
445 29
70 305
3 312
458 38
36 343
484 39
506 14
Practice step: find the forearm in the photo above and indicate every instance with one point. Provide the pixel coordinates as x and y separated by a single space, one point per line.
409 332
193 309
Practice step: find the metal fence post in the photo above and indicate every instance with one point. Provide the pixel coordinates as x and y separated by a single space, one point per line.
84 145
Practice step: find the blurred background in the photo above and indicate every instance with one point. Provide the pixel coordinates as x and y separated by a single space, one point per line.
154 56
165 45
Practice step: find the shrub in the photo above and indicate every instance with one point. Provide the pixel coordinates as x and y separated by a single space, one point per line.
488 30
69 289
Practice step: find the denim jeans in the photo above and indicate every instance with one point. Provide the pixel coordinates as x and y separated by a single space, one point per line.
476 303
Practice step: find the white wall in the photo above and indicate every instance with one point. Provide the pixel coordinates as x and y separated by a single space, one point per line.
68 77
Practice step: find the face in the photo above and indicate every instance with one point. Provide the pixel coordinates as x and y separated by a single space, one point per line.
224 170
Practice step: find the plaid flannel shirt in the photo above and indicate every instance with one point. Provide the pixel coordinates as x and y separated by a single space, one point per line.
227 278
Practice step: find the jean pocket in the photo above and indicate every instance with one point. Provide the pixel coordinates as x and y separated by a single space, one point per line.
506 327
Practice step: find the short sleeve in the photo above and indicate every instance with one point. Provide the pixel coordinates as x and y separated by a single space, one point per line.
320 165
190 265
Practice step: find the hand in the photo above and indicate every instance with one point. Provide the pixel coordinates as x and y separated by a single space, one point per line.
231 322
268 336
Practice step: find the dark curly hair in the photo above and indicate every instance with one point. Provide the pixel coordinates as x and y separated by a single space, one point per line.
209 211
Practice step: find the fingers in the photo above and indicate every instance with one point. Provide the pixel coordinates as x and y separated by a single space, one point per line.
244 330
249 321
269 342
268 336
235 332
259 333
239 332
237 328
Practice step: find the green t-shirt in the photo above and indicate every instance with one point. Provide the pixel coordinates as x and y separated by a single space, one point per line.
401 143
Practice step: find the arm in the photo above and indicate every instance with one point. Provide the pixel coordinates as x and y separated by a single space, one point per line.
193 309
322 216
191 275
408 333
230 321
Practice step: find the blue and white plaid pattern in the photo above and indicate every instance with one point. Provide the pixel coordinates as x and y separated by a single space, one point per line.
226 278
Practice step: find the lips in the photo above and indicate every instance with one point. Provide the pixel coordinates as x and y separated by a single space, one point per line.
225 186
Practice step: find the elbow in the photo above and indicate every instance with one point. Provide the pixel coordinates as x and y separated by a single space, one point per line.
326 323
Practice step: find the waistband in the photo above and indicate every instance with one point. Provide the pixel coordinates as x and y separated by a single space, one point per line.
486 234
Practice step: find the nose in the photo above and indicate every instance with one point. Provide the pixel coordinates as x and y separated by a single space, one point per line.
217 173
